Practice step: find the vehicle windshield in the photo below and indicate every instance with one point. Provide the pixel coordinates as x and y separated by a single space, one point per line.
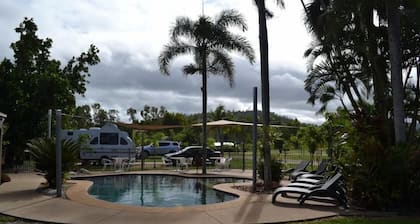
129 139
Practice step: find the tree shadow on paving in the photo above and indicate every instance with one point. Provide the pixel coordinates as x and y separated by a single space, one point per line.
252 206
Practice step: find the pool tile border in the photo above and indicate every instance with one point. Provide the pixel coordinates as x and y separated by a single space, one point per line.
78 192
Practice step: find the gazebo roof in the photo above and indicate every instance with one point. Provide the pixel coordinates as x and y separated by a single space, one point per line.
233 123
219 123
148 127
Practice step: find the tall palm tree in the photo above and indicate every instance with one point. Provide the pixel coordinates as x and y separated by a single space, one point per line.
394 40
219 114
132 112
263 13
209 41
367 42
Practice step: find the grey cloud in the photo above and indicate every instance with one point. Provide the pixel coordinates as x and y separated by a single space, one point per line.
126 78
134 86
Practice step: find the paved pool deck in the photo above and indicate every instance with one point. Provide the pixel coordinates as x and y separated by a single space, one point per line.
19 198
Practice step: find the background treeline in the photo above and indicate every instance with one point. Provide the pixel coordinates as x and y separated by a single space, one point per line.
86 116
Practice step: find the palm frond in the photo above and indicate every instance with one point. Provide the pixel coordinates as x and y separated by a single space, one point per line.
184 26
232 42
170 51
190 69
230 18
281 4
222 64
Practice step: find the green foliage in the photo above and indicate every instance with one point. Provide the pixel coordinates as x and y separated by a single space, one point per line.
152 115
377 176
276 167
4 178
350 62
7 219
311 138
44 155
32 82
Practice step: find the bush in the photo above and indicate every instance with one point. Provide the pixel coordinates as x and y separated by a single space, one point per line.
4 178
44 153
276 167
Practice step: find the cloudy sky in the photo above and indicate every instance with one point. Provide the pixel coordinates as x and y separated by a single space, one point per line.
130 35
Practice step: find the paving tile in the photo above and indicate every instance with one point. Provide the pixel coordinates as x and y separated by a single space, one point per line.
19 198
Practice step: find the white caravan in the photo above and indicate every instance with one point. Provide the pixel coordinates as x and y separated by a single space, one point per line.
103 143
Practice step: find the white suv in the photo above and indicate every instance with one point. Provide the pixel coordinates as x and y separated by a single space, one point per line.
163 148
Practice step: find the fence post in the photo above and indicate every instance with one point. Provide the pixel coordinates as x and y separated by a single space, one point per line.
254 143
58 153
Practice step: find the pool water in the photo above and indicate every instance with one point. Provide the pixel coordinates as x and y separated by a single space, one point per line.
159 190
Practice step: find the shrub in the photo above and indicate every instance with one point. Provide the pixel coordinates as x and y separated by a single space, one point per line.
276 167
4 178
44 153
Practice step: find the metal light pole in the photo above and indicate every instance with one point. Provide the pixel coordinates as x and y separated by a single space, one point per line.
58 152
254 143
49 122
2 118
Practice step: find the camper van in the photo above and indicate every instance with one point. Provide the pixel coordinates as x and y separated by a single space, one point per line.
103 143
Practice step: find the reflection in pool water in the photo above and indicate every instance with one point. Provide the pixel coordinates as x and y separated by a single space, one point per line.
159 190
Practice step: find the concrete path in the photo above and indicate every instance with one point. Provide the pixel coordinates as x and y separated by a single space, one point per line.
19 198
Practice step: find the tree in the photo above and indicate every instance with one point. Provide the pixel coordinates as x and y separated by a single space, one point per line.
374 42
113 115
394 40
32 82
100 116
132 113
354 54
209 40
263 13
82 118
219 114
312 138
151 114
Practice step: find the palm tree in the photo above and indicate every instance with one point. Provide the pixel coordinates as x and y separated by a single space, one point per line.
394 40
263 13
209 41
219 114
348 41
131 112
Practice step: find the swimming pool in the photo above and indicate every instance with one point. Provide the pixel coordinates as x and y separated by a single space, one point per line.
160 190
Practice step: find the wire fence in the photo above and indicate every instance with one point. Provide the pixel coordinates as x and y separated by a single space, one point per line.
240 160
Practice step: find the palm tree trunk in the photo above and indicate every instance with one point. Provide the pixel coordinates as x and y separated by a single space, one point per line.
380 79
204 91
394 41
265 92
414 119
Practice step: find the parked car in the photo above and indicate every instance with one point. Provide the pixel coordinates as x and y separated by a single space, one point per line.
193 152
162 148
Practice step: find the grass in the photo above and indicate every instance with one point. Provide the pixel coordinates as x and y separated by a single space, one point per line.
7 219
363 220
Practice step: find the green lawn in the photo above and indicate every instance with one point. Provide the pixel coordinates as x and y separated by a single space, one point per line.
359 220
7 219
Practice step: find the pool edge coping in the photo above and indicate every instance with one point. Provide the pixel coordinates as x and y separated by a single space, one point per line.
78 192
